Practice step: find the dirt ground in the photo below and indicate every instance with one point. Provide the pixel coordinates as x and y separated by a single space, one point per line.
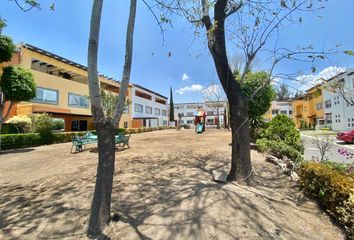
163 189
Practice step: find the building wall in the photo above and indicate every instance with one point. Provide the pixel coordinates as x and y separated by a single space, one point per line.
309 108
339 114
276 108
63 87
189 110
150 119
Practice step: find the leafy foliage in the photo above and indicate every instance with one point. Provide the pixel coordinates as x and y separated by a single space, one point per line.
332 189
109 103
17 84
43 124
282 129
21 122
6 45
283 93
260 103
279 149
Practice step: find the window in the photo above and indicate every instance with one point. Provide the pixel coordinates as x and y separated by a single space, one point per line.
138 108
275 111
148 109
319 106
44 95
350 122
164 123
210 113
190 114
328 118
163 112
78 101
78 125
290 112
189 121
126 108
157 111
337 118
328 103
283 112
125 124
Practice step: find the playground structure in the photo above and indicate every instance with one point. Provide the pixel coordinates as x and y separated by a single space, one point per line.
199 121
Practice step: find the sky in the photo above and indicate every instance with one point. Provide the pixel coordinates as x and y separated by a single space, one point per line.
182 61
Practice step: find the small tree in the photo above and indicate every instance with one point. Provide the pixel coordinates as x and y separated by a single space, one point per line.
215 98
109 102
16 83
323 146
172 109
43 124
283 93
260 103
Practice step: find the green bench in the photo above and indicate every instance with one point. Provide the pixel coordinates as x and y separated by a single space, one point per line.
79 143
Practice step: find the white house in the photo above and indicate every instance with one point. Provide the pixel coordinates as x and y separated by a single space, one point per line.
338 114
149 108
187 112
281 107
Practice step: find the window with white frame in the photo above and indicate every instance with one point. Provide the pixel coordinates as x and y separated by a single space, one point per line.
210 113
148 110
337 118
44 95
283 112
78 101
350 122
138 108
189 121
163 112
157 111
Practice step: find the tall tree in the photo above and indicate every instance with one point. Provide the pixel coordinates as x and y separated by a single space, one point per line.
253 27
283 93
172 107
105 125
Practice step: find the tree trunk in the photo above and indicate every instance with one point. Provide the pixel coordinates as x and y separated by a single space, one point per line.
101 203
241 168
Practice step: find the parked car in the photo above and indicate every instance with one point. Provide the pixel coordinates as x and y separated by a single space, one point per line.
346 136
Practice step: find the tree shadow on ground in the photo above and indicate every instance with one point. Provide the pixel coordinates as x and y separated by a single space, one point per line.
18 150
160 196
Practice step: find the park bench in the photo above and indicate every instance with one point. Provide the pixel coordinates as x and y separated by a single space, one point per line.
79 143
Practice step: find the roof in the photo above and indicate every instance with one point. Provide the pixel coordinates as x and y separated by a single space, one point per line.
64 60
150 91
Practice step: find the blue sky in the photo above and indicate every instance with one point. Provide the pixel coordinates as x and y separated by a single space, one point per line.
189 69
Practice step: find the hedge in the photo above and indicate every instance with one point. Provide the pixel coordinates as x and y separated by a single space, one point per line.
279 149
332 189
11 141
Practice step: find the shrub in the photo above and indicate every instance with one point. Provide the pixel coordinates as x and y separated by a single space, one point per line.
282 128
43 124
10 141
346 168
17 84
22 123
332 189
6 48
279 149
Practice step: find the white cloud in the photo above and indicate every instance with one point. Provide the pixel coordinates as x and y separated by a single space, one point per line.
212 91
192 88
325 74
185 77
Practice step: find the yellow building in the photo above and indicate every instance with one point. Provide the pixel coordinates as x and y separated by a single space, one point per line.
62 89
308 109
